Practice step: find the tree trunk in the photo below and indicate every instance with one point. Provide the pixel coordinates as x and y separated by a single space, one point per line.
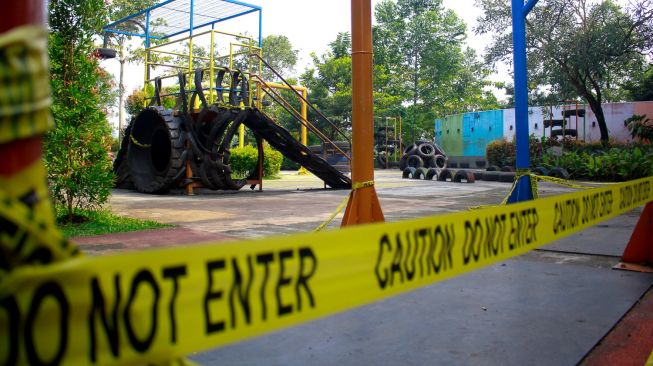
597 108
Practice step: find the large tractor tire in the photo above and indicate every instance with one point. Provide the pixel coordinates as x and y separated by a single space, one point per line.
120 163
156 155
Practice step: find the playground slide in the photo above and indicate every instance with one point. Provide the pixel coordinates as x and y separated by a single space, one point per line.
158 142
279 138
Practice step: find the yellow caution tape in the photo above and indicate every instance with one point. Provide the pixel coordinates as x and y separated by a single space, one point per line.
144 146
649 361
24 83
151 306
28 234
343 204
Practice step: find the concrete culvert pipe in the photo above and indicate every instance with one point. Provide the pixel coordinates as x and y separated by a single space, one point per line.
156 150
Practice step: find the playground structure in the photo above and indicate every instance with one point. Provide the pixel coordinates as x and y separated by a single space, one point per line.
388 141
215 78
121 266
568 113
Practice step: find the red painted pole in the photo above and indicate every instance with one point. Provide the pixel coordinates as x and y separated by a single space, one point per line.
18 154
363 206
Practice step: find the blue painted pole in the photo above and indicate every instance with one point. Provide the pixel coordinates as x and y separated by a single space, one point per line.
523 188
260 28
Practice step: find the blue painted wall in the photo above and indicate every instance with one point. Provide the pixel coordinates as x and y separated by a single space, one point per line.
468 134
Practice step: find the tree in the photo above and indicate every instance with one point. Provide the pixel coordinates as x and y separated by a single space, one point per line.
418 44
279 54
76 151
581 46
640 87
329 85
119 9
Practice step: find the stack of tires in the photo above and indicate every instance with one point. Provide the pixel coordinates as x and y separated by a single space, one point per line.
423 159
423 154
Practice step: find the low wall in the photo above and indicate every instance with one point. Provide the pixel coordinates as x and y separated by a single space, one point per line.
466 135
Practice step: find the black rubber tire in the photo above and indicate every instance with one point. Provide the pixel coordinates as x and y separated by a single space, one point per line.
480 164
491 176
445 174
409 172
452 164
440 161
572 113
420 173
414 161
431 173
426 150
464 175
540 170
402 162
507 168
492 168
154 168
478 174
121 164
506 177
561 173
464 165
410 149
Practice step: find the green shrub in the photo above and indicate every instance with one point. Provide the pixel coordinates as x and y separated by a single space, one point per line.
614 164
245 160
77 150
611 162
640 127
288 164
502 152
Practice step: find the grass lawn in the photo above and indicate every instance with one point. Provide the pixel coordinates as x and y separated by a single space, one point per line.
89 223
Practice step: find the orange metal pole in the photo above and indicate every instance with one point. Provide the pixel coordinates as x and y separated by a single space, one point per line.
363 206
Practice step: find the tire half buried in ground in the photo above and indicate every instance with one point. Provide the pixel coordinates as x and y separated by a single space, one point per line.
156 150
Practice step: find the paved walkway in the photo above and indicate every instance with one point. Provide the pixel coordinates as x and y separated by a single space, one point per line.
548 307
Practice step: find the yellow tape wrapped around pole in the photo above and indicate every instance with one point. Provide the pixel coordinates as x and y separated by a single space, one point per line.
151 306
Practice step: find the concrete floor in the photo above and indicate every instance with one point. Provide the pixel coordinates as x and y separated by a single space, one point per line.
548 307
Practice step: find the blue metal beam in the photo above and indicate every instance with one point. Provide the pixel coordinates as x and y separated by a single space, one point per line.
243 4
209 23
260 28
132 16
523 187
252 8
528 7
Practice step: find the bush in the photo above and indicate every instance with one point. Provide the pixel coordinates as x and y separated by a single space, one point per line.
594 161
288 164
503 152
614 164
245 160
77 150
640 127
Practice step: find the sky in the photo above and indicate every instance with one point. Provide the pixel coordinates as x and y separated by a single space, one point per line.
310 26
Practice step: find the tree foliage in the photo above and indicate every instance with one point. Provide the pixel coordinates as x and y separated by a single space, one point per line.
76 151
421 69
640 87
278 53
577 48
